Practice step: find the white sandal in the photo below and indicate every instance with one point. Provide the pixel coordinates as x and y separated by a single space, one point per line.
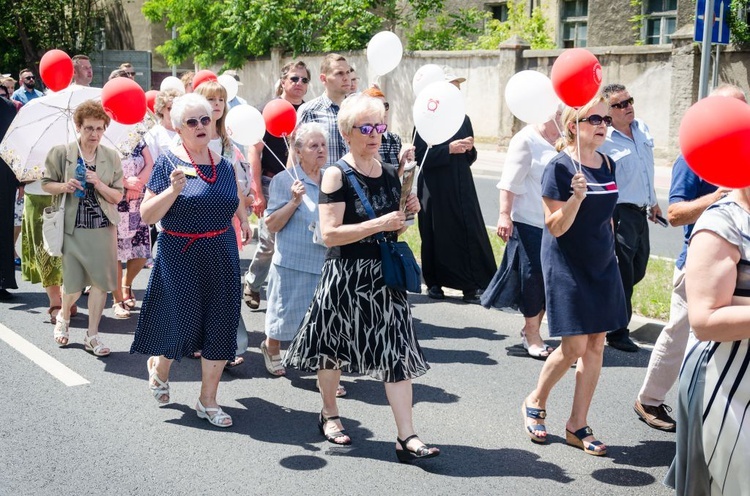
120 311
272 362
215 416
159 388
61 331
95 345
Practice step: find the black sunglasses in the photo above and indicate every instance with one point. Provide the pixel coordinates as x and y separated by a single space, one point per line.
295 79
597 119
623 104
192 123
130 74
387 105
368 128
28 78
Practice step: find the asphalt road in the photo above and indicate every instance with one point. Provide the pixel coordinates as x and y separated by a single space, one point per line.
109 437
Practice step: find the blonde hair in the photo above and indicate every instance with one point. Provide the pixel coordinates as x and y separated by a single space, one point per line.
571 114
213 89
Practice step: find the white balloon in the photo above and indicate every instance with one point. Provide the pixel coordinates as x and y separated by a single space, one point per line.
245 125
384 52
531 97
438 112
172 83
428 73
229 84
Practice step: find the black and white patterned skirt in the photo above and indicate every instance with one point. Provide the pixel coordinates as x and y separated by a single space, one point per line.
357 324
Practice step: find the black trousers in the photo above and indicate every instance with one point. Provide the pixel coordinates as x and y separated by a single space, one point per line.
632 249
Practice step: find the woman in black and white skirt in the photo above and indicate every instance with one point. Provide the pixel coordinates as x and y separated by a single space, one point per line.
356 323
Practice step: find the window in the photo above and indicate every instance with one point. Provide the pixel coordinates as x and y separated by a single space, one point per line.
499 10
574 23
660 21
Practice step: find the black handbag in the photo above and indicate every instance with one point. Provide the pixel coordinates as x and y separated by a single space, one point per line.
400 268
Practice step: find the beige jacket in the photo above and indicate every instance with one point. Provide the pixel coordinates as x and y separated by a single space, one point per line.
61 165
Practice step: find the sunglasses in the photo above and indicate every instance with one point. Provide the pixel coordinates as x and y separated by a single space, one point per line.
28 78
387 106
131 74
623 104
369 128
596 119
296 79
192 123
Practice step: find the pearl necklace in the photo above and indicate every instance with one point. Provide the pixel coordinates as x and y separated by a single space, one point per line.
214 174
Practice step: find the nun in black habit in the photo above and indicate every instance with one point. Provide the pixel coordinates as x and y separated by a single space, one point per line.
456 251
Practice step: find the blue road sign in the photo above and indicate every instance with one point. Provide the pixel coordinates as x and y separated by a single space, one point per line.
720 31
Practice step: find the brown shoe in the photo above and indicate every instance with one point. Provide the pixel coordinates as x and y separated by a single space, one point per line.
251 298
656 417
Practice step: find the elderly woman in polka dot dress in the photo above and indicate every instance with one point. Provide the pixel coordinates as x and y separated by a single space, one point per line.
192 301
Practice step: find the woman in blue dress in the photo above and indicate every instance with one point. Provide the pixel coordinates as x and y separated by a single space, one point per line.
582 284
192 301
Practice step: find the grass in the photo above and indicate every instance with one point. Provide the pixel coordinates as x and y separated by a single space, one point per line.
650 297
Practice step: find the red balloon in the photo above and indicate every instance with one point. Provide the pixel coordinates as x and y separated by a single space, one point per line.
56 69
715 141
576 76
151 99
280 117
202 77
124 100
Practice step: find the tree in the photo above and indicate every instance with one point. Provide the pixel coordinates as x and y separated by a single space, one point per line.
532 29
233 30
29 28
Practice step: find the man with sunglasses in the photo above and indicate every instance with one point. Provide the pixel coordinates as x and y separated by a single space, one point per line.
27 91
630 144
267 161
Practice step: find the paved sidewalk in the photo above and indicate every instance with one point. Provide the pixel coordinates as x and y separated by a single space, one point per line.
490 163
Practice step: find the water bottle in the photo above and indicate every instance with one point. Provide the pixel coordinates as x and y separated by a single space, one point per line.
81 177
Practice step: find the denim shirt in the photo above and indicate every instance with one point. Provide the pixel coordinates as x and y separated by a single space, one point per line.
294 242
635 163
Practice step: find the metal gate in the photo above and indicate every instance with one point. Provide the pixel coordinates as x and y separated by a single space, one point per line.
106 61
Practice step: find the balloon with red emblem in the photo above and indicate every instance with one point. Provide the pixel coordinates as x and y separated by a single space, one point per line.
715 141
56 69
280 117
576 76
124 100
202 77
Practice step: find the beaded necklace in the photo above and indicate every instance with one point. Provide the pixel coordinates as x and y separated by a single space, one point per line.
214 174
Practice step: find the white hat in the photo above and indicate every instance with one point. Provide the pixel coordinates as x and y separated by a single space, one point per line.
451 77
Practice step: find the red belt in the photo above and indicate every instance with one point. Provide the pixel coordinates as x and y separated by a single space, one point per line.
195 236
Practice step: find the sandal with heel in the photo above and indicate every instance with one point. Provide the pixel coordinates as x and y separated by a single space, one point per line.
159 388
95 345
534 350
333 436
576 439
215 416
405 455
534 413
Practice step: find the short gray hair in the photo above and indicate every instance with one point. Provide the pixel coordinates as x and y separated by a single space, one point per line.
184 102
302 133
356 105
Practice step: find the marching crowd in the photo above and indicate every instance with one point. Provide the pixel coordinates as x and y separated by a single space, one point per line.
576 195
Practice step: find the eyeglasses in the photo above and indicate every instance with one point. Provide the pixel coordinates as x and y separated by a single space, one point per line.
92 129
623 104
369 128
596 119
387 106
295 79
28 78
192 123
130 74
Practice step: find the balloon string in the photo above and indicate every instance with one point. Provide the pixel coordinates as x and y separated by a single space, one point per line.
289 153
578 144
279 160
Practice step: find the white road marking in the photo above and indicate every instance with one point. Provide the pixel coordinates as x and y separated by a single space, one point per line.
39 357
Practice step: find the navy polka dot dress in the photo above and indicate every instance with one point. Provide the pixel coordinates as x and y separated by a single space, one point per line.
193 297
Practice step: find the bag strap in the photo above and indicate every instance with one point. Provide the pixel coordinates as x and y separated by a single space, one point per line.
358 189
